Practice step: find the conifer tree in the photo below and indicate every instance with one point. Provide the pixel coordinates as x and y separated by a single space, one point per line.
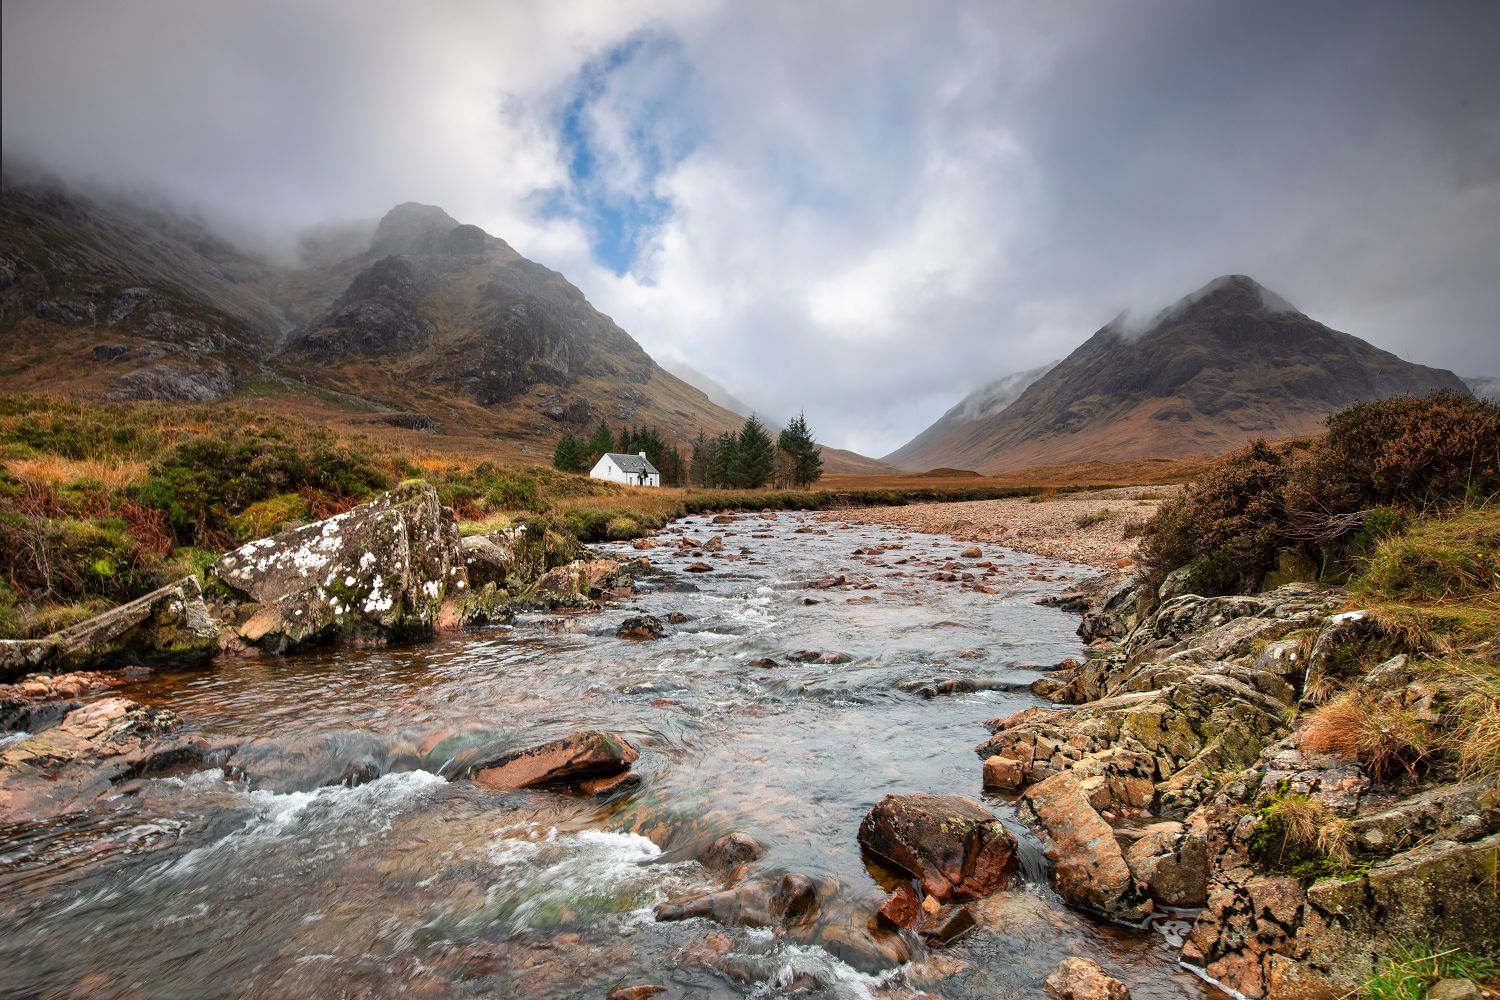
797 441
568 456
754 455
603 440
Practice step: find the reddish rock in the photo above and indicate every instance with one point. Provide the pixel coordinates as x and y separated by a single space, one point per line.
952 845
1088 865
1003 774
641 992
972 552
1081 979
641 628
566 761
946 925
790 899
730 851
698 567
900 910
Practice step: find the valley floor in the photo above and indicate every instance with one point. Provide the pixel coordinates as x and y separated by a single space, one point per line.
1093 528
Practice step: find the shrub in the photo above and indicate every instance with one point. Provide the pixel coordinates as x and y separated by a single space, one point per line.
1452 557
1381 733
1228 525
265 517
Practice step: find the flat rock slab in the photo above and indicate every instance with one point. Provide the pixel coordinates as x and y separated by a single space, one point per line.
951 844
570 760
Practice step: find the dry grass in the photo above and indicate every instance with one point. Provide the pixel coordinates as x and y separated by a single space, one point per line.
1335 838
60 471
1382 734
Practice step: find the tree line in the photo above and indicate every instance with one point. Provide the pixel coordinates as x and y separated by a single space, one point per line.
747 459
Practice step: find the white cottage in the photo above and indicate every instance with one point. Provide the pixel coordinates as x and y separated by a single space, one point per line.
632 470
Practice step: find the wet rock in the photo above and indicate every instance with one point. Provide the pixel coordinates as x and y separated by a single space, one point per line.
900 910
972 552
1088 866
825 583
380 571
935 686
731 851
609 785
92 749
169 626
764 663
714 544
698 567
722 519
641 992
1082 979
641 627
950 844
946 925
790 899
1117 608
678 618
569 760
1001 774
572 585
1172 866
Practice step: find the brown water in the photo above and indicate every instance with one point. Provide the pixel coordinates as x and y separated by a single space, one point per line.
337 861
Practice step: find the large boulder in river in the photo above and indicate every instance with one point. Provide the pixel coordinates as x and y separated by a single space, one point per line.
951 844
567 761
491 557
379 571
170 625
1088 864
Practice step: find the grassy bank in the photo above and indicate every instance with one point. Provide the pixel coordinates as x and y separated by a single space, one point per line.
100 503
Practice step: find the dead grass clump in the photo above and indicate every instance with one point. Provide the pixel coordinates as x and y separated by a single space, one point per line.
1383 735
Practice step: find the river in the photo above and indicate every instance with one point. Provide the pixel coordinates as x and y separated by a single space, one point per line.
336 860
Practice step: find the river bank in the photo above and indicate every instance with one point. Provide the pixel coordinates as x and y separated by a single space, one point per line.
1092 527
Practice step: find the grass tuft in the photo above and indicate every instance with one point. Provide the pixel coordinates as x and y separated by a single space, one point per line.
1383 735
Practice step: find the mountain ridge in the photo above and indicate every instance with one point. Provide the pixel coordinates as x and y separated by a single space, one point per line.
1227 363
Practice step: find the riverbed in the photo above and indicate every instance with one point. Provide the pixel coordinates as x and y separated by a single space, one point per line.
334 858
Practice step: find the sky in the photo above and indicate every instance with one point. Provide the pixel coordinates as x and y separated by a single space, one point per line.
860 209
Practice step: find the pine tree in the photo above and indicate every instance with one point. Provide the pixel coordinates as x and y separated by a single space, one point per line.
601 441
627 436
698 464
797 440
568 455
753 456
721 461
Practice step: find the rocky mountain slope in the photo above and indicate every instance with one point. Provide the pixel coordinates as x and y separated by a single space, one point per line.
420 325
978 407
1227 364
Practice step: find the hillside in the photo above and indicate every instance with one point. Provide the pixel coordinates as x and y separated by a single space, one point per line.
975 408
419 325
1229 363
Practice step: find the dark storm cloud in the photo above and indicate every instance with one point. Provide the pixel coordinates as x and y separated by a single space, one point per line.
881 205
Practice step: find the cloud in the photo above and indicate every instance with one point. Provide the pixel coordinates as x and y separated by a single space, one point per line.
861 209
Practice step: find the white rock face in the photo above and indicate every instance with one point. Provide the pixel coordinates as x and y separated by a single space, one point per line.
381 571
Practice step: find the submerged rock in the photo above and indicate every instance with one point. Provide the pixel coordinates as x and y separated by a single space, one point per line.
950 844
1082 979
565 761
169 626
641 627
379 571
789 899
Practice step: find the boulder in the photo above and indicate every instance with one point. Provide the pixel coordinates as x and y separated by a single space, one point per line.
730 851
565 761
1082 979
788 900
575 583
901 909
1088 866
945 925
169 626
698 567
643 991
491 557
950 844
380 571
641 627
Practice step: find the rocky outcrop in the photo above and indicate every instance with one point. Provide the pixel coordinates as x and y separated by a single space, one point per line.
491 557
567 761
167 626
85 755
578 583
951 845
380 571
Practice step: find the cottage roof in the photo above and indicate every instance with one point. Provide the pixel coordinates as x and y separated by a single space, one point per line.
632 463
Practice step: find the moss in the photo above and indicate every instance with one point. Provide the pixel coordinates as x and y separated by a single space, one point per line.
1286 841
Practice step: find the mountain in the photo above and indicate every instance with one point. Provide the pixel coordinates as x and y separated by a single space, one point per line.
975 408
1231 362
418 323
1484 386
713 390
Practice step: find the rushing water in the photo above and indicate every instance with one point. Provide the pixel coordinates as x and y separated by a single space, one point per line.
338 862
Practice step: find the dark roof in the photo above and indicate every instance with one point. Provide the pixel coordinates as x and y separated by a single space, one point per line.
632 463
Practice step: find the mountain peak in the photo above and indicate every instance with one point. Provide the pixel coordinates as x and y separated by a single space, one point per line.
411 226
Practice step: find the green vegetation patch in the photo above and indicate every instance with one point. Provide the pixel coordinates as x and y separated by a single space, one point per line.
1412 969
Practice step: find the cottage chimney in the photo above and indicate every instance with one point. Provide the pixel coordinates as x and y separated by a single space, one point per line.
642 454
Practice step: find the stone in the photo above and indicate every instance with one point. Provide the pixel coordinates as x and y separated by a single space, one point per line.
950 844
764 663
789 900
379 571
641 992
491 557
731 851
972 552
946 926
698 567
714 544
641 627
1455 989
900 910
1001 774
1088 866
1082 979
169 626
568 760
